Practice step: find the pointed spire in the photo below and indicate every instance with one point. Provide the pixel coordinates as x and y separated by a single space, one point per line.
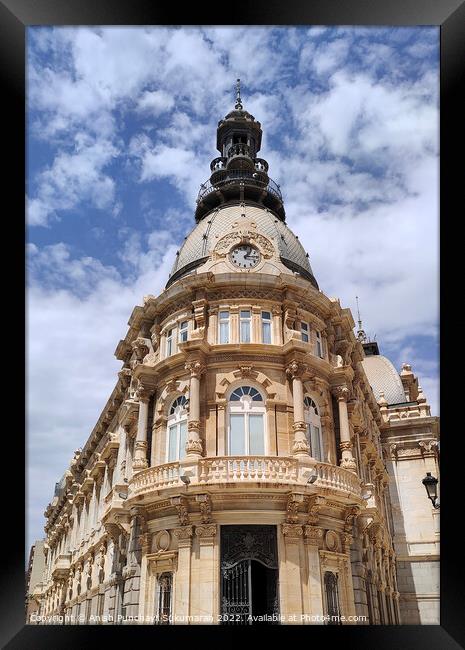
238 105
362 337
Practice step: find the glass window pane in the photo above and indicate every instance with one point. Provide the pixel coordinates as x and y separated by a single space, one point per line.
172 443
266 315
236 434
246 390
224 315
266 332
256 437
304 326
245 314
224 332
316 448
182 439
304 337
245 332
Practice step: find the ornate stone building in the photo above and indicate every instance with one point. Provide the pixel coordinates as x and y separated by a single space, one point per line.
257 460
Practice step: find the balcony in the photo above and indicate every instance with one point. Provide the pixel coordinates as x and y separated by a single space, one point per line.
244 470
239 184
61 566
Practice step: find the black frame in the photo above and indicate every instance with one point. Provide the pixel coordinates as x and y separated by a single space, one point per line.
16 15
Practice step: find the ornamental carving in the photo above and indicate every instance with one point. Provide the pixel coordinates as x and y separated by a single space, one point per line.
246 371
227 241
349 517
161 541
313 534
205 505
295 369
341 393
292 508
332 541
196 368
293 532
314 505
181 507
206 532
249 542
184 533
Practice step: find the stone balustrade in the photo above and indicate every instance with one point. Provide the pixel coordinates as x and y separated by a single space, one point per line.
247 469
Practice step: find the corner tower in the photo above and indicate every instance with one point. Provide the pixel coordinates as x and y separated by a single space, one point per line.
236 470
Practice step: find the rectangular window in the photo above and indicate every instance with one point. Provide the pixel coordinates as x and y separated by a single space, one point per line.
256 438
319 345
100 606
163 599
266 327
182 439
172 442
305 331
224 326
245 326
315 443
88 606
236 435
169 343
183 331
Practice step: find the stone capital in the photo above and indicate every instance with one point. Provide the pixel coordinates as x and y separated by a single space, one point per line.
196 368
295 370
313 535
292 532
184 535
206 531
342 393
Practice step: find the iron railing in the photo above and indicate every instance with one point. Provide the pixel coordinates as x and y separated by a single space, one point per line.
236 176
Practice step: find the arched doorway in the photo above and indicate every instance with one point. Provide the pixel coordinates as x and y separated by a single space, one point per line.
249 575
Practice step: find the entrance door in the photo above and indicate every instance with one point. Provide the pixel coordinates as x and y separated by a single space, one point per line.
249 575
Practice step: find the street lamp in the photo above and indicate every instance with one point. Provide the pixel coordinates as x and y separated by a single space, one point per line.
431 486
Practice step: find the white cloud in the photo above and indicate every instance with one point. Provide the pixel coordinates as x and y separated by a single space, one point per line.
155 102
73 178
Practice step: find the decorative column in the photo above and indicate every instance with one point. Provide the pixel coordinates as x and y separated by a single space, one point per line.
300 445
276 329
206 534
194 443
347 460
183 574
292 535
140 448
313 540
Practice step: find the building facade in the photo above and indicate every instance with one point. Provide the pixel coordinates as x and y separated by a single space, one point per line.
257 460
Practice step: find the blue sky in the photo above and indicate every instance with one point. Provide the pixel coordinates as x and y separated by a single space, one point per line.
121 128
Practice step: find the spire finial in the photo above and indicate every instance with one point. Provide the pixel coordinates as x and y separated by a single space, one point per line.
238 105
358 312
362 337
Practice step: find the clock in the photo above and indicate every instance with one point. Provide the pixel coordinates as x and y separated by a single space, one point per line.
245 256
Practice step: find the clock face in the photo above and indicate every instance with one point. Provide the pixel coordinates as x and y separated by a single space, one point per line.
245 256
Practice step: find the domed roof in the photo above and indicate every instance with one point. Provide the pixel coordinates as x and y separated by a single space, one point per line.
384 378
199 244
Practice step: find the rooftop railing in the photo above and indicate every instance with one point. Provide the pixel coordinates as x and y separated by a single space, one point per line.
229 178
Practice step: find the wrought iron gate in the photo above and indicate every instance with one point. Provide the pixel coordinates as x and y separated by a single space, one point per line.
242 549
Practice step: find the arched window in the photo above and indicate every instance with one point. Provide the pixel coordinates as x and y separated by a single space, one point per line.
177 429
312 420
246 430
